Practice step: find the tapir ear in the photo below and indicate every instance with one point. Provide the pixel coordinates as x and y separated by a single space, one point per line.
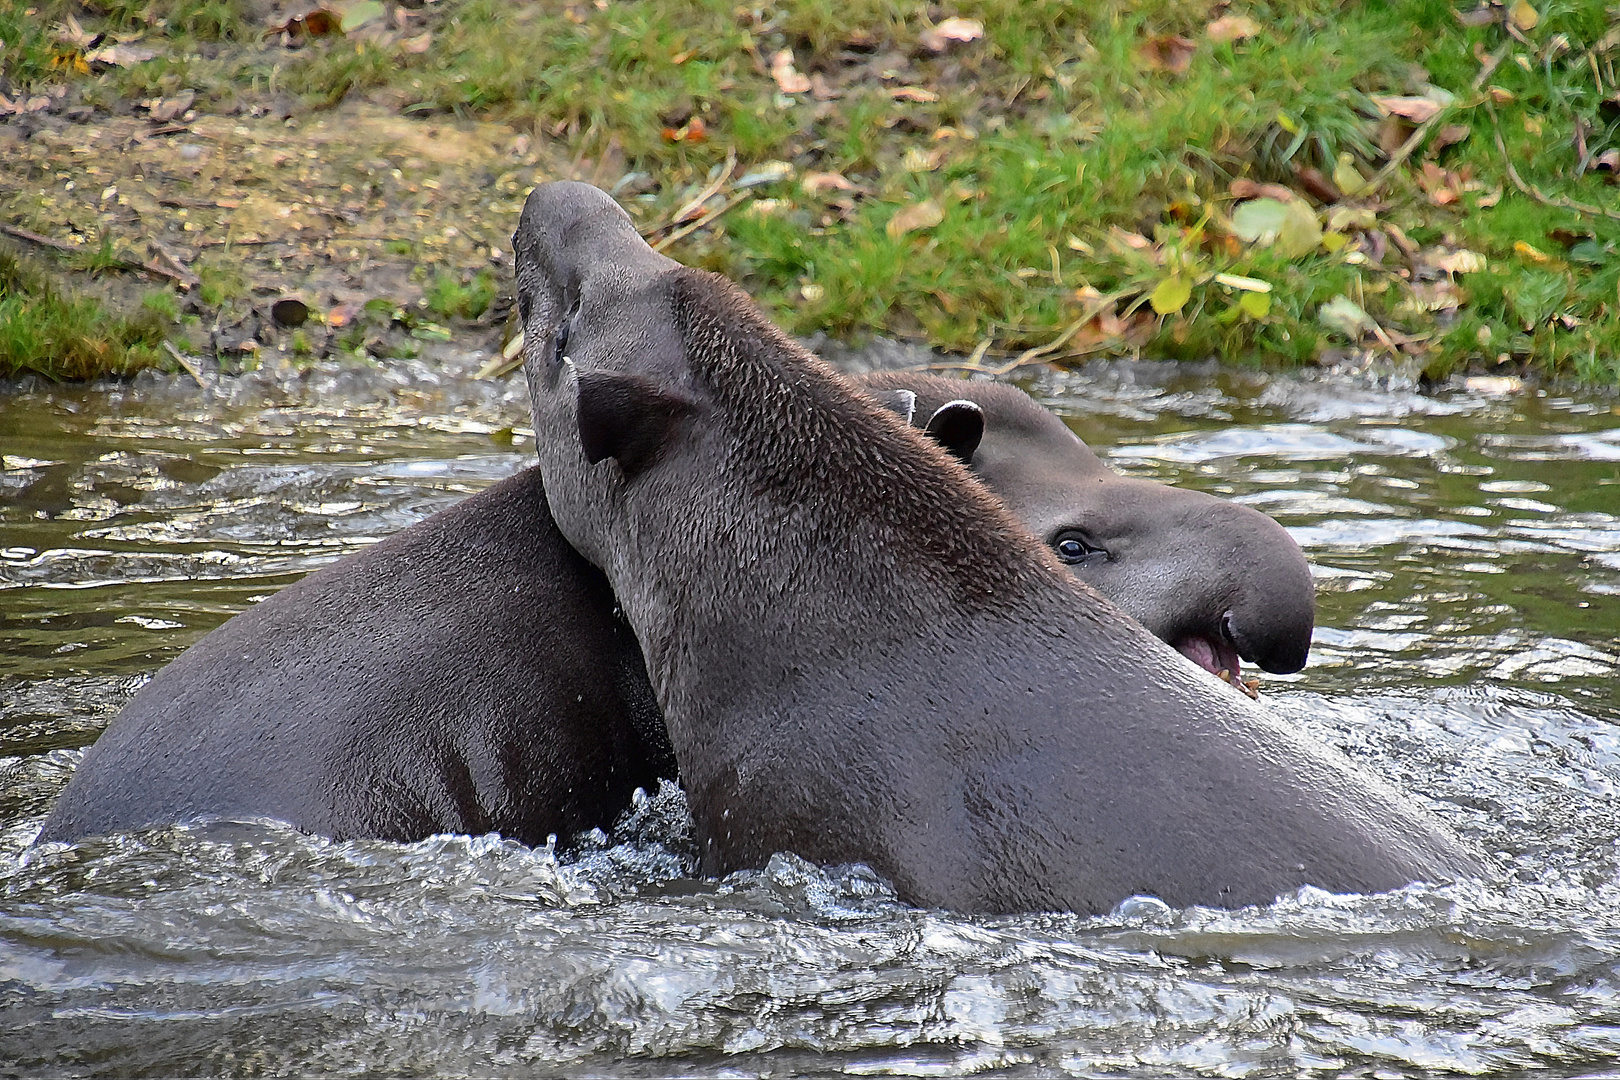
903 403
625 417
958 426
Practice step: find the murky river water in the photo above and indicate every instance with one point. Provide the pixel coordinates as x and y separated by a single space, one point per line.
1468 553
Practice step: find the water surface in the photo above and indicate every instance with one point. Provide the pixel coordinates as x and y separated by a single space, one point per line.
1467 552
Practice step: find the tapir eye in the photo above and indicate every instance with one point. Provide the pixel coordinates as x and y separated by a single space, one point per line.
1076 549
559 345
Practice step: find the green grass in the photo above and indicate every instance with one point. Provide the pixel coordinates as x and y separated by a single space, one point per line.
1064 165
44 330
460 296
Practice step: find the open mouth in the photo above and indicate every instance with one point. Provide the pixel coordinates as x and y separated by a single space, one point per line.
1220 659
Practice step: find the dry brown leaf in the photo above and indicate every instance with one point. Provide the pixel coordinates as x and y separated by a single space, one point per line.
1243 188
1461 261
1231 28
71 33
418 44
923 215
1415 109
788 79
913 93
817 182
950 32
1450 135
1524 15
1500 95
121 55
1167 52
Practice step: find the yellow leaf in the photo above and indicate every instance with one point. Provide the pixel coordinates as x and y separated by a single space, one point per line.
1171 295
1531 253
1524 15
1256 305
1333 241
1346 177
923 215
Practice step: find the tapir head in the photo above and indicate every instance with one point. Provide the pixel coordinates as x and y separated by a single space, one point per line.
603 359
1218 580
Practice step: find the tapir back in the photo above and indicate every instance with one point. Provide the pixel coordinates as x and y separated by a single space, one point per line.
467 675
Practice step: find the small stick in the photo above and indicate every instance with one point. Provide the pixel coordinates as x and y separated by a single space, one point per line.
186 362
736 201
1557 201
1039 351
1415 140
188 280
127 264
703 196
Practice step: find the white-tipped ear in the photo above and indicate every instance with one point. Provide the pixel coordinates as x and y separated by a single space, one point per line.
958 426
903 403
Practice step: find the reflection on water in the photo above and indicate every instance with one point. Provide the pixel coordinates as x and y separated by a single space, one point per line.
1467 553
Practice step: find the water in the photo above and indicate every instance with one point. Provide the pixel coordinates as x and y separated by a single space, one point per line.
1468 559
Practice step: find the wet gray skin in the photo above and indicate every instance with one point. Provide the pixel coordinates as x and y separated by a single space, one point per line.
1215 579
861 656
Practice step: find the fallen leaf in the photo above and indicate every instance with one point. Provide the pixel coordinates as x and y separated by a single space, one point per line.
1500 95
1316 185
1344 315
768 172
1524 15
317 23
71 33
1256 305
952 31
1259 219
913 93
1243 188
418 44
1346 177
1461 261
1450 135
817 182
121 55
1415 109
342 315
788 79
1231 28
1167 52
1247 284
1171 295
923 215
358 15
1531 253
1480 16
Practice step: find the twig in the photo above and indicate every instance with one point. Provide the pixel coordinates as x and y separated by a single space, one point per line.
1398 158
735 201
1556 201
708 192
1038 352
186 362
72 249
188 280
